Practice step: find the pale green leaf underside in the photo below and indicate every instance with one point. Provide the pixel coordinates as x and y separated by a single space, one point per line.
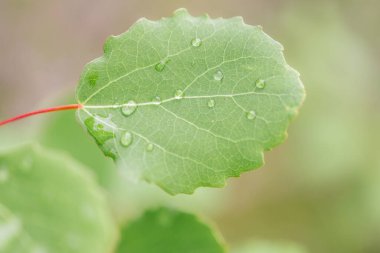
226 95
164 231
48 203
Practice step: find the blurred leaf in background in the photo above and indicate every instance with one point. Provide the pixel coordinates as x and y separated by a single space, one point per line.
269 247
166 230
320 189
50 203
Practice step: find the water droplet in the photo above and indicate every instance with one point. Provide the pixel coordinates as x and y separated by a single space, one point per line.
251 115
218 76
126 139
157 100
178 94
161 65
260 84
129 108
196 42
211 103
4 174
149 147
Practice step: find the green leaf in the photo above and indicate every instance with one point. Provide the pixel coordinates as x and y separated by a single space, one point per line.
186 101
48 203
165 231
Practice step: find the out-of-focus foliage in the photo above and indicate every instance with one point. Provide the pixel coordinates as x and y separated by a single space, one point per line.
50 203
269 247
164 230
320 189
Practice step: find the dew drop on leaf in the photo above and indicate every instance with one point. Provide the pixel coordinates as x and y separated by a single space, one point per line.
157 100
260 84
251 115
149 147
211 103
126 139
161 65
178 94
218 76
129 108
196 42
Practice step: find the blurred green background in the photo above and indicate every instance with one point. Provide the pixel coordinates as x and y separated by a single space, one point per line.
321 189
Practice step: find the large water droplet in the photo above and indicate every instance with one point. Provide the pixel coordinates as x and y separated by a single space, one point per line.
196 42
211 103
260 84
149 147
126 139
161 65
178 94
157 100
251 115
218 76
129 108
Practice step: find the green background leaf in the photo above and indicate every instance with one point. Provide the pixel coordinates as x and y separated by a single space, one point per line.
166 230
49 203
189 101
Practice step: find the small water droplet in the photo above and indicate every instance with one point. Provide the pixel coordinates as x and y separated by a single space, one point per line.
251 115
178 94
260 84
211 103
129 108
126 139
196 42
157 100
218 76
161 65
149 147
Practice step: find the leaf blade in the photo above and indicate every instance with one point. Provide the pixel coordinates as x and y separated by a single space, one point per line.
221 102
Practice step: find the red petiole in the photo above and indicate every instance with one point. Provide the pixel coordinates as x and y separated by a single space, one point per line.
47 110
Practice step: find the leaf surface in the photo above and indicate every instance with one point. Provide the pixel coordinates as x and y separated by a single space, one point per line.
48 203
186 101
164 230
